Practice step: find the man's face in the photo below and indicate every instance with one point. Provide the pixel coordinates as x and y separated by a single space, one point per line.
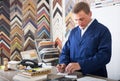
82 19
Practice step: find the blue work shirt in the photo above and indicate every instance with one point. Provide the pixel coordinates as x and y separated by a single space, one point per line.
92 51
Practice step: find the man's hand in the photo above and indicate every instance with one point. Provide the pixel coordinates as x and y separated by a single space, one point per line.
71 67
61 68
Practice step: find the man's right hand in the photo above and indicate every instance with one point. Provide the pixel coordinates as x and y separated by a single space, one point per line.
61 68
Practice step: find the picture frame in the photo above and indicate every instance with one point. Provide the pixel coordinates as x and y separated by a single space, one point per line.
31 55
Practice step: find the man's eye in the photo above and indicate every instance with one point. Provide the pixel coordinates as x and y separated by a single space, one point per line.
79 19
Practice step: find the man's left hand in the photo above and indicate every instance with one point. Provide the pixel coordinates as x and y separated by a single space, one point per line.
71 67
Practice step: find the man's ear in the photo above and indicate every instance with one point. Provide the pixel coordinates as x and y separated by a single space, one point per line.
90 13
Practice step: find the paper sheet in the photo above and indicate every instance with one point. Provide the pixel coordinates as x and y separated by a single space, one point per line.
67 75
87 78
64 74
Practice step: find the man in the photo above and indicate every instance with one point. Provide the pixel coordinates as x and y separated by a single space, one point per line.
88 48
